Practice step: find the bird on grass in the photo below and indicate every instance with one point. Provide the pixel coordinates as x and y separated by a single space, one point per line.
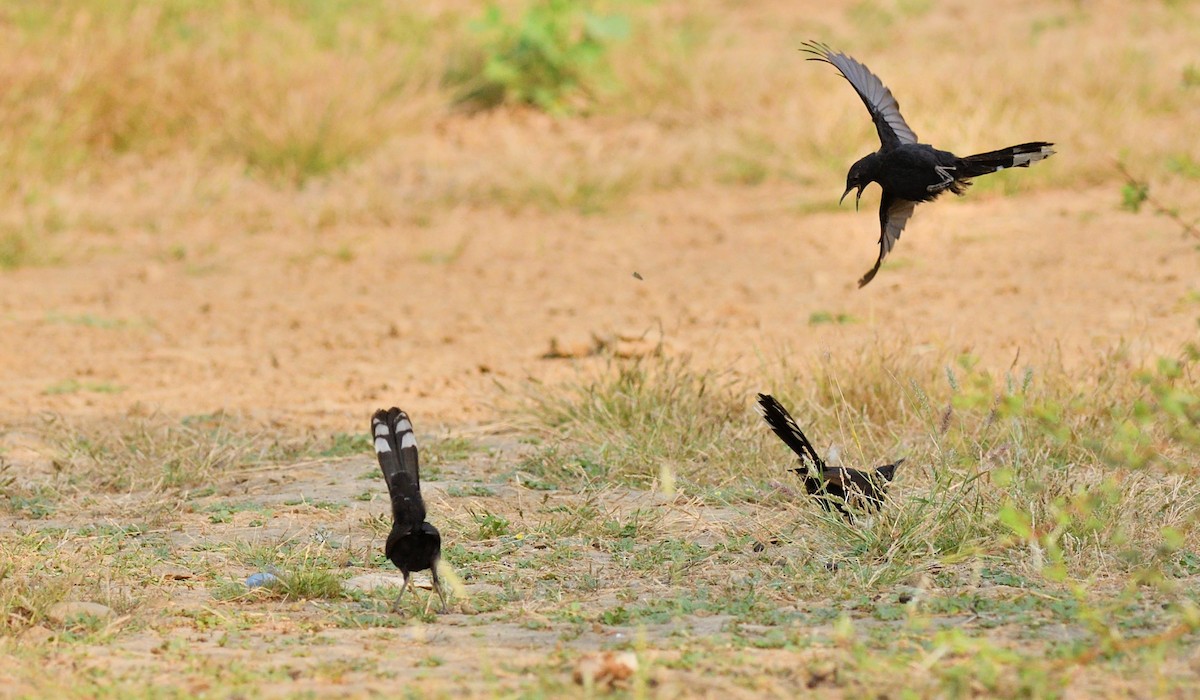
834 487
413 544
907 171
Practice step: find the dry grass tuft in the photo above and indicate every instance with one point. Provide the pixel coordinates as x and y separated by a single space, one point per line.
1041 457
156 453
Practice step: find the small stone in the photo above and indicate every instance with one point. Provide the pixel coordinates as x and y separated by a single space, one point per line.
484 589
60 613
907 594
35 635
637 347
170 572
369 582
571 348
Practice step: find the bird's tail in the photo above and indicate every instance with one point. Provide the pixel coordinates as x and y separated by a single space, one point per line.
785 427
1012 157
396 449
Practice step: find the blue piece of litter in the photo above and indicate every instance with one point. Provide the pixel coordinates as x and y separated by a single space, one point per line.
262 578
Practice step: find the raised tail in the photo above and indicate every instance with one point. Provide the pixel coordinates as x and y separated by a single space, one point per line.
785 427
1012 157
396 449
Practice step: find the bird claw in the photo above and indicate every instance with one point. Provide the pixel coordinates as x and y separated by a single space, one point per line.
947 179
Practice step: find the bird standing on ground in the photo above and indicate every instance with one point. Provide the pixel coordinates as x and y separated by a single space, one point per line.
413 544
834 487
907 171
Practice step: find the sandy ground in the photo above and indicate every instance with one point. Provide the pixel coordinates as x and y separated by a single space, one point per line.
533 604
319 329
476 647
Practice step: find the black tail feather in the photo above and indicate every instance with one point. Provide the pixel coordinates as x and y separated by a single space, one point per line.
396 449
1020 156
786 428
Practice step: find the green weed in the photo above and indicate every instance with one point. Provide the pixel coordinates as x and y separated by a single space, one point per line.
819 317
17 249
347 445
1133 195
72 386
553 56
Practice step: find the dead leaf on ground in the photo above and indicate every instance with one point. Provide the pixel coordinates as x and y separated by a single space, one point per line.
606 670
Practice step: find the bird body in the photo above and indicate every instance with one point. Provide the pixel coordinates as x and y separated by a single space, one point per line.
910 172
838 488
413 544
414 550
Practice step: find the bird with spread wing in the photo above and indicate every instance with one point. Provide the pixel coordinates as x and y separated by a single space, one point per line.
909 172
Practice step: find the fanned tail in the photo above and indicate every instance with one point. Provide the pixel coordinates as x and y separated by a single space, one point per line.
1020 156
396 448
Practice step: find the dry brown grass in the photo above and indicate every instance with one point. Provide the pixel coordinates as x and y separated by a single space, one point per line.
282 92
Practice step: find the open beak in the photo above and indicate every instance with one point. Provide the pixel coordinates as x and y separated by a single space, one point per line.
856 197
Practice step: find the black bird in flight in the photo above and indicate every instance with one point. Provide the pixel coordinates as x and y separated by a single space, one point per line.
834 487
413 544
909 172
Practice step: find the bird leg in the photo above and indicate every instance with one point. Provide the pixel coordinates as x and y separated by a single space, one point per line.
943 172
403 588
437 586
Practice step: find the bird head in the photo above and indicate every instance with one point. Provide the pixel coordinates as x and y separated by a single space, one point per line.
888 472
861 174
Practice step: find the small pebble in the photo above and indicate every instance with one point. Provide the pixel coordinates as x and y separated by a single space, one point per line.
369 582
170 572
35 635
61 612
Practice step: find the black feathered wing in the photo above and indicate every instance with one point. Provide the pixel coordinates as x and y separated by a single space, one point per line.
894 214
884 109
396 448
786 428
